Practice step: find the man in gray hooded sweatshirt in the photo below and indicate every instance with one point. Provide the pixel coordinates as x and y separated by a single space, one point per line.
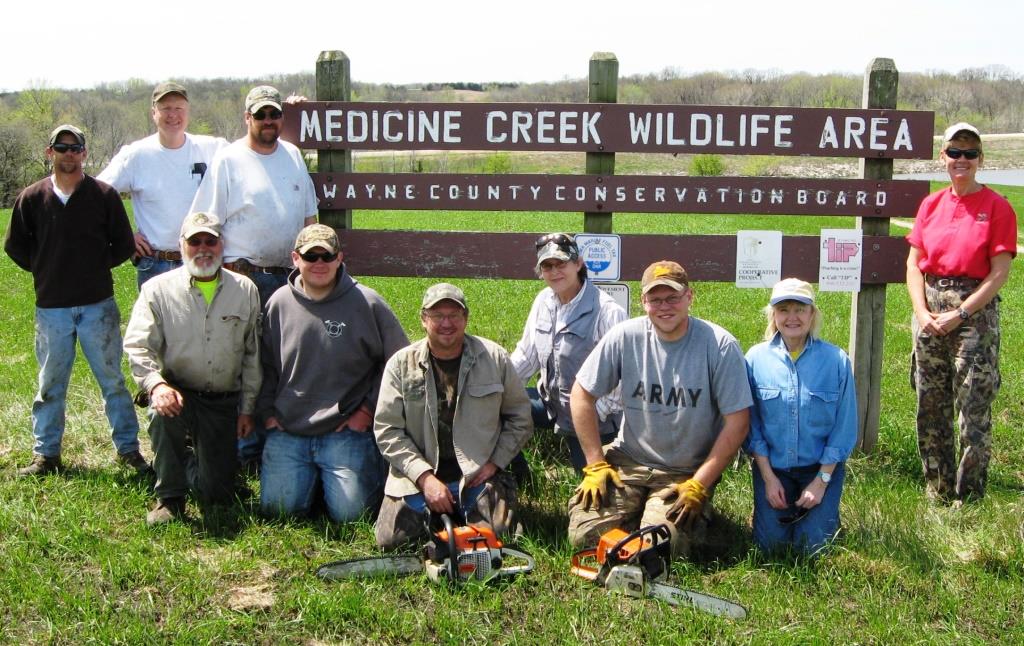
326 339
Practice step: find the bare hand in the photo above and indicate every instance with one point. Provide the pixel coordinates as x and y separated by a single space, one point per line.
436 494
142 246
245 425
484 474
811 496
358 421
774 492
166 401
295 98
272 423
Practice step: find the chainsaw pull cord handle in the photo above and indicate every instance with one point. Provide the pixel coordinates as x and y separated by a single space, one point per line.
657 532
453 555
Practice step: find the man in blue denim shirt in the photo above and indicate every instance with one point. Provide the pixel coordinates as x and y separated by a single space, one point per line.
803 425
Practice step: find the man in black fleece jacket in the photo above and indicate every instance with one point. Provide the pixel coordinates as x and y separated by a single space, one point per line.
69 230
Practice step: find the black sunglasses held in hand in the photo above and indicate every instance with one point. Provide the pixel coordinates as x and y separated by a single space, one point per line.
63 148
956 153
795 517
326 256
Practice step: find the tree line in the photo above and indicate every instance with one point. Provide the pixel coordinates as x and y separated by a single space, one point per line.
114 114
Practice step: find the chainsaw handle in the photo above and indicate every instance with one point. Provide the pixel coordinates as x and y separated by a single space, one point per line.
658 533
453 556
513 570
579 569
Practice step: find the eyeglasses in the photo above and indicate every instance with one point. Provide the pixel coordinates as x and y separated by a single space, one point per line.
63 148
560 239
656 303
956 153
208 241
554 265
326 256
455 317
272 113
795 517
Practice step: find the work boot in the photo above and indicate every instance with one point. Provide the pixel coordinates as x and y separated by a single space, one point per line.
41 465
134 460
165 511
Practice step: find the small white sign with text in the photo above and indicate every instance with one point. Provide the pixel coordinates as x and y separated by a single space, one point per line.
602 254
842 255
758 258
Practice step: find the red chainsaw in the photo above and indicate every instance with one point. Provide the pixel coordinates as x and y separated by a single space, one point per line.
636 565
456 553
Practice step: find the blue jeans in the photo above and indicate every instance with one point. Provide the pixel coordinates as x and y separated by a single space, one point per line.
347 462
250 447
809 534
97 327
418 503
149 267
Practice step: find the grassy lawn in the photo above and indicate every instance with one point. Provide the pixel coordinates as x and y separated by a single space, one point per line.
79 564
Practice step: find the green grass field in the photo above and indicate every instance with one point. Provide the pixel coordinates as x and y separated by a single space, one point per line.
79 565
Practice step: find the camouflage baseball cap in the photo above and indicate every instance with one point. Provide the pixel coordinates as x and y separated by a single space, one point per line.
444 292
70 129
168 87
317 235
664 272
260 96
198 223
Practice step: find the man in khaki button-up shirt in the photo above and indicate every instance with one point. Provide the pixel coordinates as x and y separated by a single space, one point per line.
193 347
451 415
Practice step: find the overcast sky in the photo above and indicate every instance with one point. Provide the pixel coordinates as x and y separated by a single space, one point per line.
65 44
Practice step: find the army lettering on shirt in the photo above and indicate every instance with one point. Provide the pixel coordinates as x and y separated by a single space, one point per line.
672 396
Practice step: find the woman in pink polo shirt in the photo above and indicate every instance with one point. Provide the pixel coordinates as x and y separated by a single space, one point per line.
963 240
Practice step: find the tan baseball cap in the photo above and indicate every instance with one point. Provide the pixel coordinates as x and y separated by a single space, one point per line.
198 223
168 87
664 272
70 129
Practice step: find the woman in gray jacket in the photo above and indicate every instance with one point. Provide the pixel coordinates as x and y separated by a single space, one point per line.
567 319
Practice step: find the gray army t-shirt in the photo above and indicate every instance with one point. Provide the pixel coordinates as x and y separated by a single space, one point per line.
674 392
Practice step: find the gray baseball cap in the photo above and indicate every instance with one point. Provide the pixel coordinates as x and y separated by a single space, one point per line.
444 292
70 129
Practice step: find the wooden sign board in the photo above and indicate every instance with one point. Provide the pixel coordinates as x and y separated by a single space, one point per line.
611 127
619 193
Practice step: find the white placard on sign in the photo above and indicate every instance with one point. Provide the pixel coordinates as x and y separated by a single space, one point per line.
618 291
601 253
842 255
758 258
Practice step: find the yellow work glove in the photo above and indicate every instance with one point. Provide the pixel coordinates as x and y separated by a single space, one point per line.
593 491
690 498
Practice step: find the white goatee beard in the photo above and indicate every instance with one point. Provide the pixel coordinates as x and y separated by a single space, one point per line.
203 272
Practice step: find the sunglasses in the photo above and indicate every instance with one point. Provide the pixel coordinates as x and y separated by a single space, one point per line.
956 153
63 148
326 256
262 115
207 241
560 239
795 517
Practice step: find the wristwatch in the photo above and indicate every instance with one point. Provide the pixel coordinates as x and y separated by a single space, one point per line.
964 314
825 477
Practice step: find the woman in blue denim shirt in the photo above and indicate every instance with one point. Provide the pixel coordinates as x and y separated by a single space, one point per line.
803 425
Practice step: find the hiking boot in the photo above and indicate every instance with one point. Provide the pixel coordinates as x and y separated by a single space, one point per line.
41 465
165 511
134 460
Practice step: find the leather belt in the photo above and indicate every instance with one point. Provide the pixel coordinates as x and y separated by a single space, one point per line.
174 256
951 281
243 266
214 396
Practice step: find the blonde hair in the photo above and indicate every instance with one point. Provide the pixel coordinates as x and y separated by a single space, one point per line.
769 313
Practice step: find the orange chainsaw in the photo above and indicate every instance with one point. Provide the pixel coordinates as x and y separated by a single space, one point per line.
636 565
456 553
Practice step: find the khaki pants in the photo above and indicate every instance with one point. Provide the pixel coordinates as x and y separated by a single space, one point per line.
636 505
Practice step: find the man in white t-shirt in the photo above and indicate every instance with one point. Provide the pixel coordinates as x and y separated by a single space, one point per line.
686 402
261 190
162 172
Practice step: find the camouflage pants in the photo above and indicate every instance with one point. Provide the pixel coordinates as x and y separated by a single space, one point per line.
495 507
958 373
636 505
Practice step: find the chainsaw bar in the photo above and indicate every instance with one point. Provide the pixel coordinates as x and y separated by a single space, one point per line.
699 600
374 567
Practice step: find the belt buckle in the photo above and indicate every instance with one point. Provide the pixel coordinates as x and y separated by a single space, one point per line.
944 282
